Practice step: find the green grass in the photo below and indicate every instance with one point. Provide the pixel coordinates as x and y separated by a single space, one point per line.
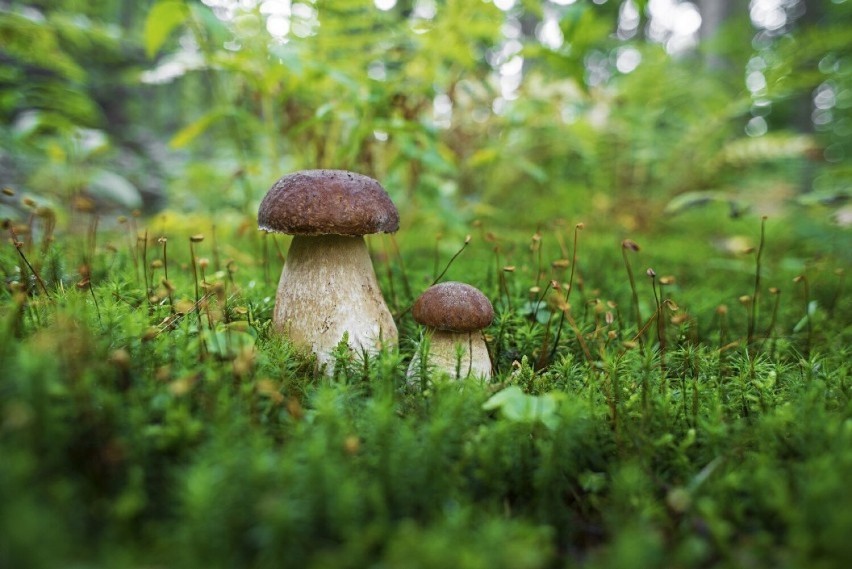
143 423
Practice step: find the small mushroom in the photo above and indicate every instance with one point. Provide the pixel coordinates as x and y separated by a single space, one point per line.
454 314
328 287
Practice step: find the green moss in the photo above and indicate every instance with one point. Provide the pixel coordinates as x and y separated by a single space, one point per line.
138 429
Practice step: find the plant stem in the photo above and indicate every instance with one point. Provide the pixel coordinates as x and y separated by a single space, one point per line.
626 245
804 280
450 262
752 321
568 289
19 247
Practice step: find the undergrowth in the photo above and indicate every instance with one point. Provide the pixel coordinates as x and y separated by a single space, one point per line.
669 403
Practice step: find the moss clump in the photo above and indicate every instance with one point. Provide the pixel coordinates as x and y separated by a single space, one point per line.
145 423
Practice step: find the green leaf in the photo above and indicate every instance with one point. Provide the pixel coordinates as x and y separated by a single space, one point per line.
483 157
517 406
831 197
812 308
537 308
691 199
195 129
114 188
215 30
36 42
324 110
512 396
774 146
227 343
583 28
535 171
162 20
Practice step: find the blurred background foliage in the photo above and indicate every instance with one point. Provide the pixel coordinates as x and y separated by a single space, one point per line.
464 109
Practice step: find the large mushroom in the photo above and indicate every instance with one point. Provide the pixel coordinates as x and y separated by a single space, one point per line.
328 287
454 314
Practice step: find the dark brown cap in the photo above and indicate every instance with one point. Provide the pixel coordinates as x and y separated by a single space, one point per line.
454 307
327 202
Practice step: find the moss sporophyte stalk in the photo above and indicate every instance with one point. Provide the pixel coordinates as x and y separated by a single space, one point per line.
174 402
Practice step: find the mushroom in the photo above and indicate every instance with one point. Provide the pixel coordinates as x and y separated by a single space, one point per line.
454 314
328 288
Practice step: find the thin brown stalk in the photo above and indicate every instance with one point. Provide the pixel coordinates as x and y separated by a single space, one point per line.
166 282
446 268
453 258
752 321
804 280
577 228
630 245
19 247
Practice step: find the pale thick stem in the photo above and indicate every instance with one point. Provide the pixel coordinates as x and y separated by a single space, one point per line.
328 288
458 354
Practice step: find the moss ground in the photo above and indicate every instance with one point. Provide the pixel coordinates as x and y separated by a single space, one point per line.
149 417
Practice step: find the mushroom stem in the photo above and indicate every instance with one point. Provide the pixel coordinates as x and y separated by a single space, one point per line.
444 350
328 288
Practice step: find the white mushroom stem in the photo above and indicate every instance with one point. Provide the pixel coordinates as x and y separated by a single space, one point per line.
458 354
328 288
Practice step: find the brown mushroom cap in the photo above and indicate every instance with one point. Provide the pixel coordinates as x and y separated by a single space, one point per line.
454 307
327 202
